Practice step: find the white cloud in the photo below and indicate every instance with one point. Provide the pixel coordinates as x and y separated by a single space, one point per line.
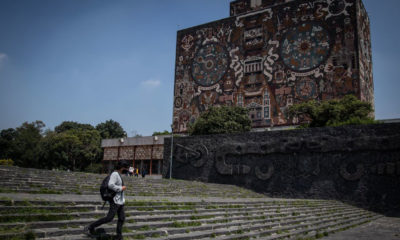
151 83
3 59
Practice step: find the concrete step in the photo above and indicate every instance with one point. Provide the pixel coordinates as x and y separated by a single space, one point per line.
232 213
223 215
232 230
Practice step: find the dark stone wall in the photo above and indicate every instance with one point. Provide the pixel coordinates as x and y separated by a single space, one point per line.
359 164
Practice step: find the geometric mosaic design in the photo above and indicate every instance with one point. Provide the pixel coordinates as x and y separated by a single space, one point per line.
271 54
305 47
210 64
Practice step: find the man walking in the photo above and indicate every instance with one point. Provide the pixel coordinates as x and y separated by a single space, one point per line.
116 204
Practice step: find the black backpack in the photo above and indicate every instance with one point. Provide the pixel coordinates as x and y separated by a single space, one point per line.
106 193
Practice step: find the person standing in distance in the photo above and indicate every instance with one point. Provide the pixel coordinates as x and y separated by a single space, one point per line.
116 204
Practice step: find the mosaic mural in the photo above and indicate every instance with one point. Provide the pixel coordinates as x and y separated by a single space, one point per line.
271 54
134 152
365 60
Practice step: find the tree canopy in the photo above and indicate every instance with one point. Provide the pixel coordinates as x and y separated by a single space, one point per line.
68 125
346 111
110 129
7 136
165 132
222 119
26 144
71 145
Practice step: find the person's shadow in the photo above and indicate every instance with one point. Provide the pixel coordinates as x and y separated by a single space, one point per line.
101 234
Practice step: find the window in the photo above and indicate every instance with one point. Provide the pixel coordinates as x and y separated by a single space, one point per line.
266 98
266 112
240 100
266 105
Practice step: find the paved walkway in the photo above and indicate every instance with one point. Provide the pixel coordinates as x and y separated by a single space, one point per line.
382 229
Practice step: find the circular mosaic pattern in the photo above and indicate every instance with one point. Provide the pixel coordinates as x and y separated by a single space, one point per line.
305 47
178 102
306 89
210 64
337 7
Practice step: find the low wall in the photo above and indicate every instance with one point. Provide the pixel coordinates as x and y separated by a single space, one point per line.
360 164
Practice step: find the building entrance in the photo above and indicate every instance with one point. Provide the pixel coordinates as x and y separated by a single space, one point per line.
150 166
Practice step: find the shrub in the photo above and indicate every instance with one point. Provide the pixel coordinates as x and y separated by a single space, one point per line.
337 112
6 162
222 119
94 168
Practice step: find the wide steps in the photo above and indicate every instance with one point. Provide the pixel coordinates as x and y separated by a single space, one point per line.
36 181
58 205
181 220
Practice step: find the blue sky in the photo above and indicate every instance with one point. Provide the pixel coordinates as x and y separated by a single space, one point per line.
93 60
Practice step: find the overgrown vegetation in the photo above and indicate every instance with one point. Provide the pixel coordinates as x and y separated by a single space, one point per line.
6 162
177 224
221 119
337 112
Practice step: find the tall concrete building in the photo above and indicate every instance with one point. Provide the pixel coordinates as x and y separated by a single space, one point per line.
271 54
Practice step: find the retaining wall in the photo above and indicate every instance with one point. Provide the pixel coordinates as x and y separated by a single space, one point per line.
360 164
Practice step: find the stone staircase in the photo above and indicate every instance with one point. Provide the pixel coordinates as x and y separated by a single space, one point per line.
196 210
38 181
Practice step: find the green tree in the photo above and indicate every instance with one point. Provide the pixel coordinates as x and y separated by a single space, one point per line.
7 137
68 125
90 151
346 111
161 133
222 119
74 149
60 150
26 148
110 129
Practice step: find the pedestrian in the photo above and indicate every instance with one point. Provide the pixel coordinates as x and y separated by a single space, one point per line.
143 172
116 184
131 169
137 172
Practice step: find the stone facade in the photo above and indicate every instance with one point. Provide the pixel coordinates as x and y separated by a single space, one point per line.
271 54
142 152
110 153
354 163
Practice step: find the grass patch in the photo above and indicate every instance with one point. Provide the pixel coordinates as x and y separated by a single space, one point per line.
146 209
15 229
155 235
48 191
139 236
211 207
177 224
201 217
144 228
40 210
34 218
232 206
240 231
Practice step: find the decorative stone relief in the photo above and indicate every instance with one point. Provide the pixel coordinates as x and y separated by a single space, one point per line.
196 155
352 176
265 175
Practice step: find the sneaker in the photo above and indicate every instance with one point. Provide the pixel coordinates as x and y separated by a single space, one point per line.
89 231
118 237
